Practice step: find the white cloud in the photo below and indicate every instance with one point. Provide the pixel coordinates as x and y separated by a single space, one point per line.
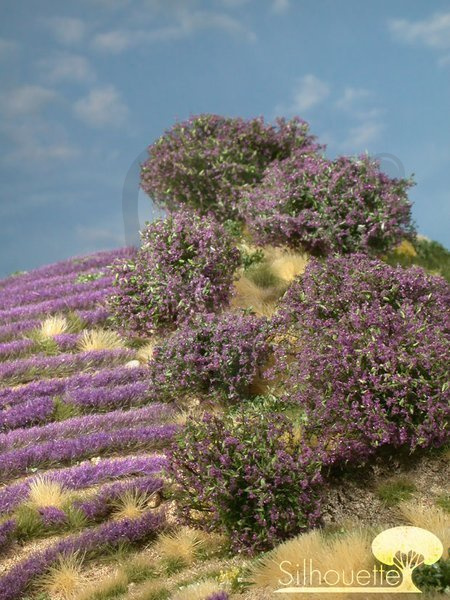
362 135
26 99
114 41
35 142
280 6
309 92
67 67
102 107
433 32
358 102
186 23
67 30
7 48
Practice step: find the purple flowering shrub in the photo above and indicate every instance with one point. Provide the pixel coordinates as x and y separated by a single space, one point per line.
322 206
248 474
204 162
185 265
215 355
364 349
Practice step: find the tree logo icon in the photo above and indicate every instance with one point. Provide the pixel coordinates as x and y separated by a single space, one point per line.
407 548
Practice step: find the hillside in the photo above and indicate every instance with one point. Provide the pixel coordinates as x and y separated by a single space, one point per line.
82 449
262 384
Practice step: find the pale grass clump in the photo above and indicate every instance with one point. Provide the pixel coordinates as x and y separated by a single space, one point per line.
405 248
44 492
344 553
99 339
289 265
108 587
432 518
131 505
181 546
64 578
150 590
247 294
51 326
197 591
145 353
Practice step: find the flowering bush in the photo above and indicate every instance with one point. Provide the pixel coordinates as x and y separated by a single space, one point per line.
185 265
215 355
204 162
366 348
345 205
248 474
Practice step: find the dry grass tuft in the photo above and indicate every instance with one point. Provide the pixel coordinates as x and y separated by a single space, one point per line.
99 339
432 518
51 326
45 492
108 587
131 505
181 546
248 295
197 591
343 553
145 353
65 577
289 265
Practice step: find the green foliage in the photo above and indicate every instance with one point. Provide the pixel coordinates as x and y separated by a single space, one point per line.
87 277
75 323
249 258
395 491
444 502
138 570
262 276
432 256
434 577
63 411
28 522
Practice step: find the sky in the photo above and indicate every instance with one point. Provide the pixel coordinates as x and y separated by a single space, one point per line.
86 86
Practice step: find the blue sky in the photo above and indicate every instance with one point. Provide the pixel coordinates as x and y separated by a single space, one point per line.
86 86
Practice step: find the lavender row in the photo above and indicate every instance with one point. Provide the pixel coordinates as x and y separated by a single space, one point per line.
95 509
22 285
9 350
83 475
70 266
51 387
90 317
102 504
19 348
95 399
10 299
91 541
38 410
25 370
16 462
89 424
77 301
12 330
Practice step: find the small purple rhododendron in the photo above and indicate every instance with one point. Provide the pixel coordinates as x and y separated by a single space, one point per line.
249 474
323 206
186 265
365 352
215 355
205 161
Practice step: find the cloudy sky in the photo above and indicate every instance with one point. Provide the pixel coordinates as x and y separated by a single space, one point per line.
87 85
